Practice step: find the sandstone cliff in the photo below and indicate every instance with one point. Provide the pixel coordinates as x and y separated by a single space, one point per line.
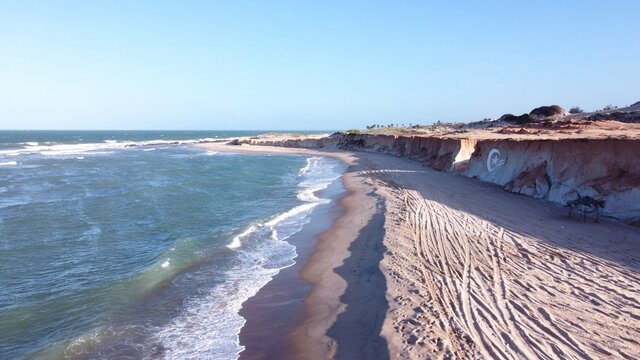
562 170
556 170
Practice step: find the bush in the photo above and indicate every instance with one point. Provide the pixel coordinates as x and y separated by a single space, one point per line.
546 111
352 131
576 110
520 120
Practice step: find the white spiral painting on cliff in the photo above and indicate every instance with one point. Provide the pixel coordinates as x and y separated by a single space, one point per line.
494 160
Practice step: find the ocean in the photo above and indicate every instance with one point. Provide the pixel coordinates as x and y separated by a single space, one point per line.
138 244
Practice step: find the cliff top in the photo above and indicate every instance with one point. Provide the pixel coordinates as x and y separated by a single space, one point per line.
543 123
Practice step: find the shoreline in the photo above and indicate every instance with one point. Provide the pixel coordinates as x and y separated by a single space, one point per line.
468 271
307 336
277 307
326 317
347 285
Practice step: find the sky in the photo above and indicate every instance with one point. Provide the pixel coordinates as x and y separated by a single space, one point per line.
308 65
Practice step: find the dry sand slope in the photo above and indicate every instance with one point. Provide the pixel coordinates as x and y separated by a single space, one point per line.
474 272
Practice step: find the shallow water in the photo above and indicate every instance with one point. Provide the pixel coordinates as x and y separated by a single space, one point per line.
113 244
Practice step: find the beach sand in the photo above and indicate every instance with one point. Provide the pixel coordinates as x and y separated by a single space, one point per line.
426 264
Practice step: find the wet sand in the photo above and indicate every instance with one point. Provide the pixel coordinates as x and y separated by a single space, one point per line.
277 308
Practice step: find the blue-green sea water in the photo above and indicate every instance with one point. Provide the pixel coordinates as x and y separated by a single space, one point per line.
139 244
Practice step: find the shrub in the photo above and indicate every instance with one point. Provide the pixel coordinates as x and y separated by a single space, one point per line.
521 120
576 110
546 111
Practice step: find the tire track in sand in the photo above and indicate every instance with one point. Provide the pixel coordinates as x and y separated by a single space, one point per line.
494 317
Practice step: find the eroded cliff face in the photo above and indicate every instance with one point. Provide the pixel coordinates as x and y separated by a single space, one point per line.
306 143
438 153
555 170
562 170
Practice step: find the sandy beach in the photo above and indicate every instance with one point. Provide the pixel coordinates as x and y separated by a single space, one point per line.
428 264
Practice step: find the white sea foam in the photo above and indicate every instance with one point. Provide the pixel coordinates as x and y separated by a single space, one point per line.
306 167
8 163
237 240
210 324
317 176
165 264
57 149
92 232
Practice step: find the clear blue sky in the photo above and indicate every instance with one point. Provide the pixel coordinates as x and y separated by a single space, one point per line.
308 64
